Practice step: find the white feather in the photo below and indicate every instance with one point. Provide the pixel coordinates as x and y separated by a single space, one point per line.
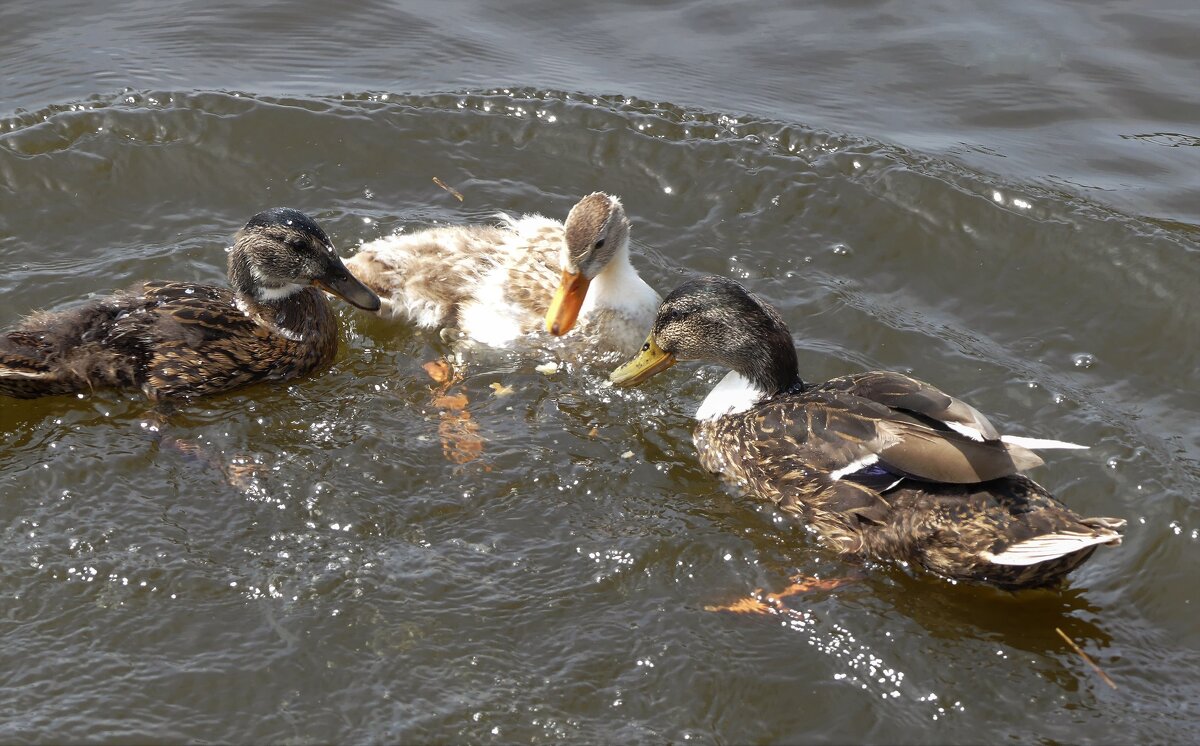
1047 547
279 293
10 373
620 288
1036 443
855 466
733 394
489 318
973 433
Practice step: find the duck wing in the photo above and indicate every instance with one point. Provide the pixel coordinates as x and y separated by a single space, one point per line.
907 394
196 340
192 314
840 434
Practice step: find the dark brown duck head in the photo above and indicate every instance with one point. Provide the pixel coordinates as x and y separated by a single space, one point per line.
714 319
597 232
282 251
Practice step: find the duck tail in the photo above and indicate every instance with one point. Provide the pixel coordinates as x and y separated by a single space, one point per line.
1094 531
24 377
1110 526
1038 443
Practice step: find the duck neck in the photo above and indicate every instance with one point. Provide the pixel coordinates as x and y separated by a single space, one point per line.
619 288
771 368
753 380
272 302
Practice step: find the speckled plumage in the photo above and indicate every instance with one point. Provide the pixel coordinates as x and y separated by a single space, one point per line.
494 283
881 465
784 450
181 339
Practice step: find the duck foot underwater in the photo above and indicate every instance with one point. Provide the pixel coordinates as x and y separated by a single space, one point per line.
761 602
240 472
457 429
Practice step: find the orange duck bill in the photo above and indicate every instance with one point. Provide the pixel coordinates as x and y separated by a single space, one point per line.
568 299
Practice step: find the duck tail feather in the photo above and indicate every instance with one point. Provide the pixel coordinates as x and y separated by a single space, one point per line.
1052 546
1037 443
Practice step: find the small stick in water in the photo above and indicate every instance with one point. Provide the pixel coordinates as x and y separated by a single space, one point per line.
452 190
1086 658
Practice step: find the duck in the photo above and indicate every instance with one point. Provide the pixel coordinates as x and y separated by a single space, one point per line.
880 465
496 284
172 340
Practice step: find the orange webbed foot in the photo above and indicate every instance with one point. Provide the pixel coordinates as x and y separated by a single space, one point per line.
761 602
458 431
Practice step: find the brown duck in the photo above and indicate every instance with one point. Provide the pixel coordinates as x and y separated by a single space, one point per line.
881 465
183 339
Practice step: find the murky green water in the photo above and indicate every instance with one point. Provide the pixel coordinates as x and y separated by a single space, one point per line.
1013 221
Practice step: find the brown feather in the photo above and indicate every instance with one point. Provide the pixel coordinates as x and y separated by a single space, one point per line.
181 339
785 449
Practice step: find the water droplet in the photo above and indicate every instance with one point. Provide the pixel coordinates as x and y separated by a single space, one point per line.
841 249
1083 360
1111 463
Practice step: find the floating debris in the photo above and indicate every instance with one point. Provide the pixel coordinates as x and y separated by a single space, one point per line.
548 369
1086 658
499 389
452 190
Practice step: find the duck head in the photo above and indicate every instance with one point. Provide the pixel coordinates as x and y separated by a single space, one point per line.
282 251
714 319
597 233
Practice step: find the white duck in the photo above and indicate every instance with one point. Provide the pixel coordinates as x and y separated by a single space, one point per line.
499 283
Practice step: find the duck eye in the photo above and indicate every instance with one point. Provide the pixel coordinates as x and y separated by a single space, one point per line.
646 347
599 245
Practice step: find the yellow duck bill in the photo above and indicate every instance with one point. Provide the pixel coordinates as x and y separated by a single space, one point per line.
648 363
568 299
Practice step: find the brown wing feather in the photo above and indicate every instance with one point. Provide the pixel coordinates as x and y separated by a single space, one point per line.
938 456
832 430
898 391
199 341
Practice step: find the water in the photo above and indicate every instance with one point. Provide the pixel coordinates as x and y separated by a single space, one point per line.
1001 200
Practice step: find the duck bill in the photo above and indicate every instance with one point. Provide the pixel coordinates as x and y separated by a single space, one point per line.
649 362
568 299
338 281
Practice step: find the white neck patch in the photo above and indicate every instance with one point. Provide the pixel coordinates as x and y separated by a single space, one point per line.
279 293
735 393
620 288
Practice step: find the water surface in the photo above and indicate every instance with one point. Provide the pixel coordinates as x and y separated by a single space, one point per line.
1001 201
